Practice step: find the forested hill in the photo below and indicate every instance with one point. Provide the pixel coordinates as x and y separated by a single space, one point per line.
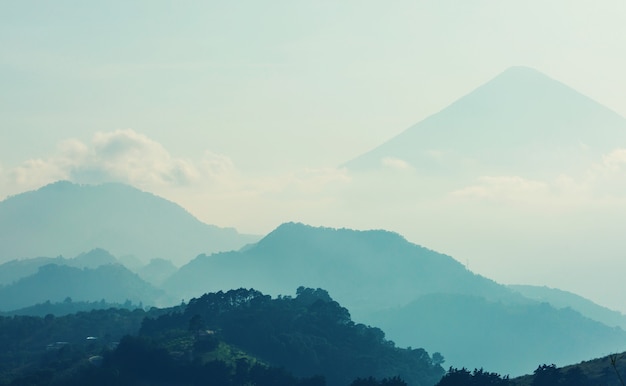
224 338
309 335
390 270
399 286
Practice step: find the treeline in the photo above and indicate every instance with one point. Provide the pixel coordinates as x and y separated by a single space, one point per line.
544 375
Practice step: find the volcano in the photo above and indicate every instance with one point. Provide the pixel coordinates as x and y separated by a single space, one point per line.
521 122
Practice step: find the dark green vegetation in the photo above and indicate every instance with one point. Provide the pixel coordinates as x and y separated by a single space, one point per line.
35 350
218 339
67 219
419 297
606 371
478 377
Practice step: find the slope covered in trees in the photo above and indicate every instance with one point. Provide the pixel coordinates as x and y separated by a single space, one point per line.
418 296
223 338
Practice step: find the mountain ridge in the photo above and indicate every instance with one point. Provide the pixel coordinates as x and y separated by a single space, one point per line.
67 219
376 273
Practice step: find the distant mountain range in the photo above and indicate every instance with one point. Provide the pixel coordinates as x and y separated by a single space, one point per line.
420 297
13 270
509 338
564 299
521 122
66 219
56 283
389 270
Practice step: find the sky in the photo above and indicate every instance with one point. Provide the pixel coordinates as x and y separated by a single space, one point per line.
243 113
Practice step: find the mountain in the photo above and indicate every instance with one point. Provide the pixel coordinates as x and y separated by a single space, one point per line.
56 283
506 338
521 122
13 270
564 299
156 271
93 259
421 297
390 270
68 307
67 219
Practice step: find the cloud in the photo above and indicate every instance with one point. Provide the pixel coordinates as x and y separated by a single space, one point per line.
31 172
118 156
395 163
602 183
130 157
503 188
615 161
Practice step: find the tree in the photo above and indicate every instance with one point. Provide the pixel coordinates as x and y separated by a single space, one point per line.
196 323
463 377
438 359
546 375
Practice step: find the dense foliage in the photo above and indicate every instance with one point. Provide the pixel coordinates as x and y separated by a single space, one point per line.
478 377
309 334
48 345
225 338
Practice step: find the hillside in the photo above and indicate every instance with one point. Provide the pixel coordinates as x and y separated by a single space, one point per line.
421 297
563 299
609 370
507 338
390 270
16 269
67 219
55 283
225 338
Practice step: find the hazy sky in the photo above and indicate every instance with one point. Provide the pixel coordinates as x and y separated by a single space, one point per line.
243 111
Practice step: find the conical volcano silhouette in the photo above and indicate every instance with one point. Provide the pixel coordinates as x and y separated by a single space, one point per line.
520 122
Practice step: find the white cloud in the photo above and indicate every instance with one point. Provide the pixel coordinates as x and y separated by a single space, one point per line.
127 156
615 161
601 184
211 186
395 163
504 188
32 173
117 156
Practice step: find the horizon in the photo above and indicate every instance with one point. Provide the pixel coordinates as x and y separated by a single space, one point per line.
244 114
